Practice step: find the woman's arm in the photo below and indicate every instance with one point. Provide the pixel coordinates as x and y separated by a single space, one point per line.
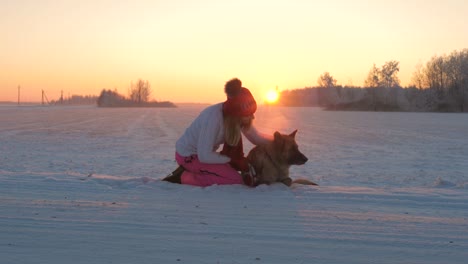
256 137
207 142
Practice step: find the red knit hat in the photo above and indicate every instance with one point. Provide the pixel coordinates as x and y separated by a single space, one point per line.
240 101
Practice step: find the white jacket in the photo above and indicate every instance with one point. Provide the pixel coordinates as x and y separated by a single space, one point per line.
206 133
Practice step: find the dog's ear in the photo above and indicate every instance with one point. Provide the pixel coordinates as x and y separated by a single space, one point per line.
293 134
278 141
277 136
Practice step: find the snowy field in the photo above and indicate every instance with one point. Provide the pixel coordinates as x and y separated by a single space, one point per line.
81 185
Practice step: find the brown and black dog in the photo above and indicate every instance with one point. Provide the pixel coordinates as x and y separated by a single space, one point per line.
272 161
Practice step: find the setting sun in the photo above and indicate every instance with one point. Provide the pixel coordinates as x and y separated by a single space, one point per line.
272 97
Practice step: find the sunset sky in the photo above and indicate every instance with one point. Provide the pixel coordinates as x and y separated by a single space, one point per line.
188 49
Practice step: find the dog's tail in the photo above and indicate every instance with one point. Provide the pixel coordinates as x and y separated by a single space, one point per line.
304 182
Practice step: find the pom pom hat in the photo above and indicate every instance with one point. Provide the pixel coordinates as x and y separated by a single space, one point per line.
240 101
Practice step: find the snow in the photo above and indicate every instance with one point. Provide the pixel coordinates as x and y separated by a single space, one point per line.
81 185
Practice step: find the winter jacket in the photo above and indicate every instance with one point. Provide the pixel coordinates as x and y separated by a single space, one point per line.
206 133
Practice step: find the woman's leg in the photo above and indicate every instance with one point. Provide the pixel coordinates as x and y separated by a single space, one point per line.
203 174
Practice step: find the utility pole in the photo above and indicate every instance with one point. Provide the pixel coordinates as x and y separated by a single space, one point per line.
44 96
19 88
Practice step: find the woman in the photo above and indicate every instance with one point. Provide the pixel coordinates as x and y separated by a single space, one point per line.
223 123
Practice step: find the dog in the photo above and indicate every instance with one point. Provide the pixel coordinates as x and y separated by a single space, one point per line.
271 161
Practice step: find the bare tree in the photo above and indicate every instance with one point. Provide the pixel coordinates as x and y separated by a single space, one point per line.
385 77
436 75
389 78
331 92
373 78
464 82
380 81
447 78
373 82
140 91
390 81
326 80
418 77
456 66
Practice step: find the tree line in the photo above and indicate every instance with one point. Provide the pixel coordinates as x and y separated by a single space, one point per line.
139 96
440 85
75 100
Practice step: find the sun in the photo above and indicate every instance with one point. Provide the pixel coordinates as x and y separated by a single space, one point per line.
272 97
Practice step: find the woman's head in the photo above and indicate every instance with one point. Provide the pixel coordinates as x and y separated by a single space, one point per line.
238 110
240 101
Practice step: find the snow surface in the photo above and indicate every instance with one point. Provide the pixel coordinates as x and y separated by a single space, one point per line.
81 185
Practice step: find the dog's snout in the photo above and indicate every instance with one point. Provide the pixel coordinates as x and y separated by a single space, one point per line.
303 158
299 159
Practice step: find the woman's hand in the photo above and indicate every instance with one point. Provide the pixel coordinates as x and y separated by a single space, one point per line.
240 164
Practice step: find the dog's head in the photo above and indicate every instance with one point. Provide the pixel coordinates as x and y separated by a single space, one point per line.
287 148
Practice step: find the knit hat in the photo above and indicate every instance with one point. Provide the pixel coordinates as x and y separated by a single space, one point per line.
240 101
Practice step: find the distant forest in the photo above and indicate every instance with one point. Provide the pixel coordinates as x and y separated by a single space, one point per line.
139 94
76 100
110 98
441 86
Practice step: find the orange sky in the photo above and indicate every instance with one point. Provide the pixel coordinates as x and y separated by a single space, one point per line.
188 49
